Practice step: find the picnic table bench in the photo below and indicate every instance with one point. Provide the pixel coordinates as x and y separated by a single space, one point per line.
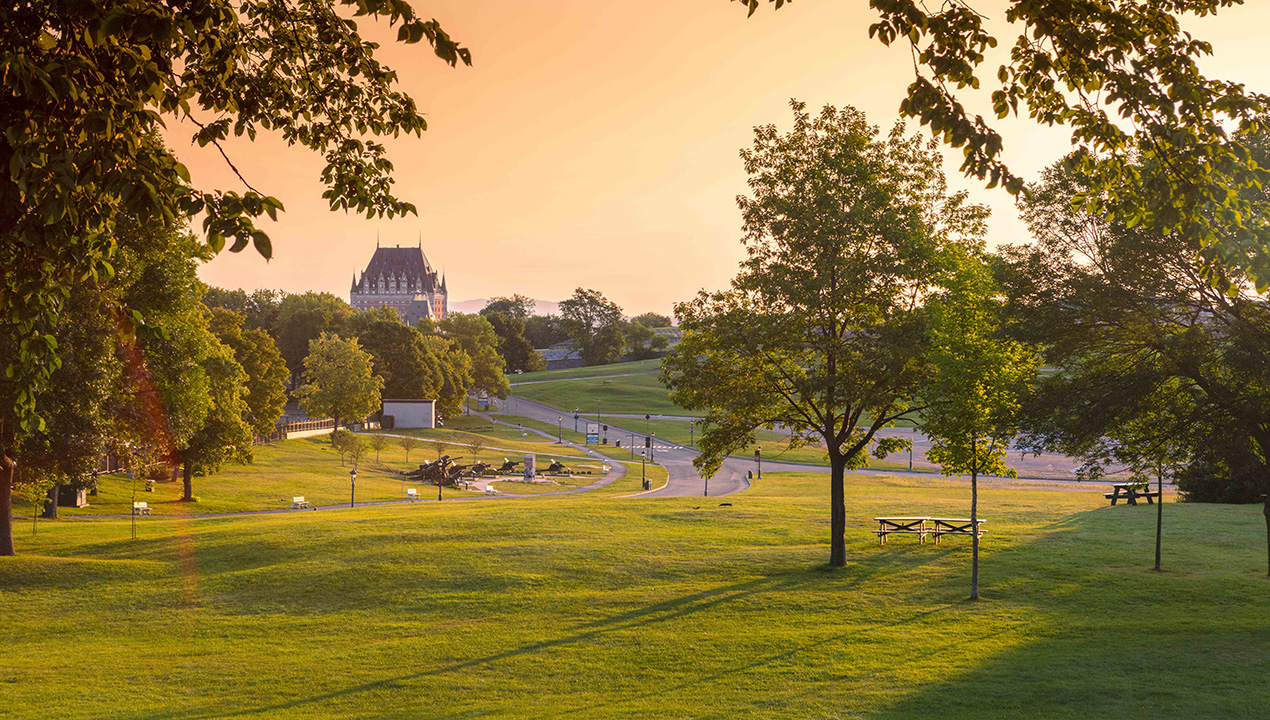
905 525
954 526
1131 491
412 494
140 508
924 525
299 502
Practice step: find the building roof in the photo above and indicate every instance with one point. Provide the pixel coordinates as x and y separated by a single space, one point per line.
408 263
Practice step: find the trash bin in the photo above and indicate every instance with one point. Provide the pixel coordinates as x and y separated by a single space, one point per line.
648 484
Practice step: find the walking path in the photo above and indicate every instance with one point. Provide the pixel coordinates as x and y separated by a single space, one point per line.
588 377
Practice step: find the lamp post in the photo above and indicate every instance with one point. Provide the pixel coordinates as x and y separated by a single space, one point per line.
652 447
643 476
575 419
692 425
910 457
758 458
559 432
352 487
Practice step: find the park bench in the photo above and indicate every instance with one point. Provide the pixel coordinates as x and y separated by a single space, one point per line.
140 508
412 494
299 502
903 525
953 526
489 490
1131 491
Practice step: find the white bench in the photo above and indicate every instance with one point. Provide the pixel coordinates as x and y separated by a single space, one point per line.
140 508
412 494
489 490
299 502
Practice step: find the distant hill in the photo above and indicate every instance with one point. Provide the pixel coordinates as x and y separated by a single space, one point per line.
541 307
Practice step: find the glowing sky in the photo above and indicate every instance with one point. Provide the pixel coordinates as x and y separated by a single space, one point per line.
596 143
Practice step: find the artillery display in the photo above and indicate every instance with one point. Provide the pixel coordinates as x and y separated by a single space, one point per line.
558 468
443 471
508 467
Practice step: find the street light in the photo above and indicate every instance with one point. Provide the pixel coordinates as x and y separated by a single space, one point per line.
643 477
758 458
575 419
652 447
692 425
559 432
352 487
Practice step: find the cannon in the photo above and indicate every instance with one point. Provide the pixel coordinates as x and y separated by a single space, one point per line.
508 466
480 469
558 468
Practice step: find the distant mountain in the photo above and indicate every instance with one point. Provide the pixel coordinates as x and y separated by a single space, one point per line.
541 307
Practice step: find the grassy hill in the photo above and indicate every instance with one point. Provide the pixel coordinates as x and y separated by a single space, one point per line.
593 607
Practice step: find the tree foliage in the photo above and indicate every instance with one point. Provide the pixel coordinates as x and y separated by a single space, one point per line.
265 370
475 336
978 378
516 306
304 318
1152 356
339 380
86 90
593 323
823 330
1125 77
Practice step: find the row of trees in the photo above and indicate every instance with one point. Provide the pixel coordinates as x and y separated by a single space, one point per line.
592 322
868 298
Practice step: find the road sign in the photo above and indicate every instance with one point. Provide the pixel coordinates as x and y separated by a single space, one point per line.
592 434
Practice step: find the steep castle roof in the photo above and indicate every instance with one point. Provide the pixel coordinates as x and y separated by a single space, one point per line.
408 263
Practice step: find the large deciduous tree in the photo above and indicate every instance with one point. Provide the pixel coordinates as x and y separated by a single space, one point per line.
265 370
86 89
304 318
1130 314
1125 78
339 380
225 433
978 378
594 324
823 331
475 336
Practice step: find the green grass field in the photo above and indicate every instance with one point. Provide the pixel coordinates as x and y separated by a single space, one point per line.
637 366
639 394
598 607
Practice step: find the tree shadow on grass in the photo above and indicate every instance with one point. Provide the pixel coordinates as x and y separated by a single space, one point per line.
793 580
1118 639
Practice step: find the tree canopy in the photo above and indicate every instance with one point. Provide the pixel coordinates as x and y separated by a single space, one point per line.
823 330
593 323
1126 78
339 380
86 90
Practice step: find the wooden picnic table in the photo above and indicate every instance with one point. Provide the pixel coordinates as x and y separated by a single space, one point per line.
954 526
907 525
1131 491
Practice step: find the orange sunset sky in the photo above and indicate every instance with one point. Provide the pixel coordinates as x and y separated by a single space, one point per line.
595 143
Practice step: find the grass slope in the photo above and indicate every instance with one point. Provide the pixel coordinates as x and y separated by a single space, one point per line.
588 607
636 366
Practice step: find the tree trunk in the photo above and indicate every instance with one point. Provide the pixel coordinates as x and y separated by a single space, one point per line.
8 469
50 503
974 533
837 512
335 431
1265 510
188 475
1159 514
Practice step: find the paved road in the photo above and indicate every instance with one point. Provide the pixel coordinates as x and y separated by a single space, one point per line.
684 481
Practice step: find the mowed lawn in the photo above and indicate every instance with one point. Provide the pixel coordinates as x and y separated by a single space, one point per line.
586 606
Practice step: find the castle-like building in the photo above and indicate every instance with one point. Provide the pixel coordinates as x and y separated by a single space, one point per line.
401 279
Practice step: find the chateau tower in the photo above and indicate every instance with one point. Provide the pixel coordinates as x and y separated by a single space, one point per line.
401 279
